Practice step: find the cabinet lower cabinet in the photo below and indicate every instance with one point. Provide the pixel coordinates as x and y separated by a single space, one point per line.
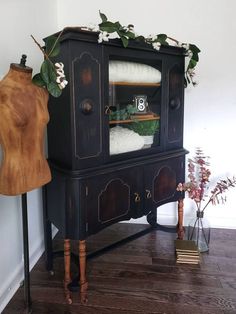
80 205
83 205
129 193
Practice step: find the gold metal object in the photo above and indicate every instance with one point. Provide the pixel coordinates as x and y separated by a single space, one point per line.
148 194
137 198
107 110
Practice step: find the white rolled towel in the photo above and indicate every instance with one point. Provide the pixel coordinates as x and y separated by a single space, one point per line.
132 72
123 140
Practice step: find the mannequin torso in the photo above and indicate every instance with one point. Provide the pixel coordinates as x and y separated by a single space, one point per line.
23 117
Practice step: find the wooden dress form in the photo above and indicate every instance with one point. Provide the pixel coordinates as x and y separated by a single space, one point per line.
23 118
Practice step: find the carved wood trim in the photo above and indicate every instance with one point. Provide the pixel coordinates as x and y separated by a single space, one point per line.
104 191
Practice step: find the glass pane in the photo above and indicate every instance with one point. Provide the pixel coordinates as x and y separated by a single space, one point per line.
135 105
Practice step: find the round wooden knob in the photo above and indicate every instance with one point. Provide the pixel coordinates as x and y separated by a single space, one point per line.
175 103
86 106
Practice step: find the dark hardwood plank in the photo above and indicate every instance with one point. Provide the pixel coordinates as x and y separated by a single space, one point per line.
140 277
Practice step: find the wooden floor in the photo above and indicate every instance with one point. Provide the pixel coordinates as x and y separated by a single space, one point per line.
142 277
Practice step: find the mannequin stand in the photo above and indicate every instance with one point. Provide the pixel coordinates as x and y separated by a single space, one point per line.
28 303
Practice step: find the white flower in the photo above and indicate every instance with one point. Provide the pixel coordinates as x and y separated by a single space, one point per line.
103 36
60 80
190 54
191 72
156 45
63 84
59 65
185 46
113 35
93 27
131 28
152 37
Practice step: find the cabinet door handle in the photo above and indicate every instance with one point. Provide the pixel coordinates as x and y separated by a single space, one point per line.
107 110
137 198
148 194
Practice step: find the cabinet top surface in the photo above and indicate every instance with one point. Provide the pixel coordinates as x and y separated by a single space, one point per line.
78 33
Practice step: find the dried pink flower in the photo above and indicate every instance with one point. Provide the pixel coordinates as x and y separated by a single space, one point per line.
198 185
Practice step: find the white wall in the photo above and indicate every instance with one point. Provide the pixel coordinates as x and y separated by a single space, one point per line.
210 108
18 20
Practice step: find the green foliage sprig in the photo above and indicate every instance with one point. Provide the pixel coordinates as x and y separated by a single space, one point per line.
108 30
51 75
144 128
122 114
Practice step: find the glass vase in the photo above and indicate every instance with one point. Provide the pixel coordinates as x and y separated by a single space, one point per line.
199 231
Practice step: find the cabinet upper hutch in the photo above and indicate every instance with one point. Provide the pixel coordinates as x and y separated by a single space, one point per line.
103 170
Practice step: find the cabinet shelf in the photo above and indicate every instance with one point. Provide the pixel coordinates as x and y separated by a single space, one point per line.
133 120
134 84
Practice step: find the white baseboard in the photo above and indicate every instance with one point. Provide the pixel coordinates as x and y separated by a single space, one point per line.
170 220
9 288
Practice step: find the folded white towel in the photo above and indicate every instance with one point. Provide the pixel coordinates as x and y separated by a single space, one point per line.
124 140
133 72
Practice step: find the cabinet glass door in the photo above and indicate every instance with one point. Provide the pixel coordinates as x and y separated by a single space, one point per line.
134 104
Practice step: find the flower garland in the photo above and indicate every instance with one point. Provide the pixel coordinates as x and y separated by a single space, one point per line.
110 30
51 76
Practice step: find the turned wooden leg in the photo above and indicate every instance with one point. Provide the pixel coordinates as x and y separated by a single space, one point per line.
180 228
82 265
67 278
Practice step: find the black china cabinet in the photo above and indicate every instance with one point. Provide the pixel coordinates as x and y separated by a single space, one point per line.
115 138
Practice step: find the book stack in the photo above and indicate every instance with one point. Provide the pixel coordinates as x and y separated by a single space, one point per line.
186 252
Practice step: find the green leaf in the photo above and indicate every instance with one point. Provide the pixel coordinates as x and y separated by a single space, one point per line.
44 71
140 38
37 80
52 72
130 35
118 25
48 72
195 57
192 64
52 46
108 27
54 89
194 48
161 38
103 16
125 41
